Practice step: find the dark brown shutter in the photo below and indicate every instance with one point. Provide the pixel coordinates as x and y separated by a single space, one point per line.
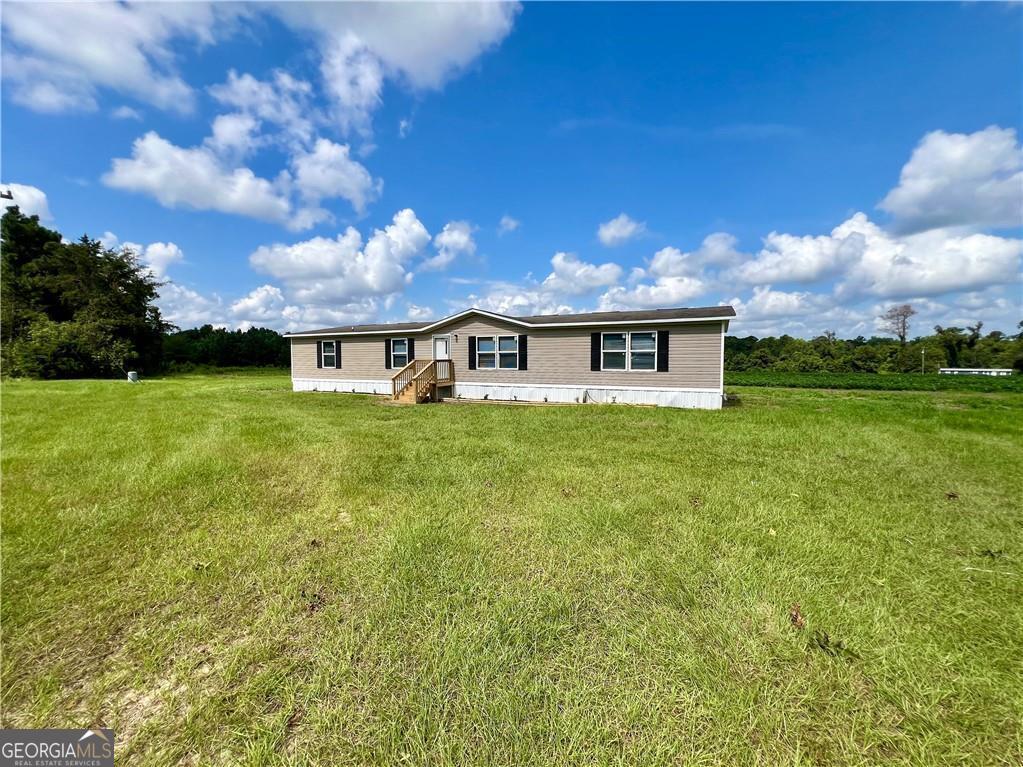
337 353
411 349
472 352
319 354
662 351
522 352
594 351
387 353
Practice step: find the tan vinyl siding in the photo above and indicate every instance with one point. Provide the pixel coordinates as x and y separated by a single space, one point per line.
362 358
562 356
556 356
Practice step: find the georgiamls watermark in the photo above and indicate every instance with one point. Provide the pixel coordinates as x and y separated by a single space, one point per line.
56 748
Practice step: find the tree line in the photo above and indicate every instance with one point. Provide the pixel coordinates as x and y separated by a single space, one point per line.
81 310
78 309
947 347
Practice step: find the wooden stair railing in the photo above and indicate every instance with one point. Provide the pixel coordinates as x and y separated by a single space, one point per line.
404 377
420 379
425 381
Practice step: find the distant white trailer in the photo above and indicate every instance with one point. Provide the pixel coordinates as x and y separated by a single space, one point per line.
975 371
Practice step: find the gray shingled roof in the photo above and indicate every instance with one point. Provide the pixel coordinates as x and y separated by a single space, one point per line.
652 315
646 314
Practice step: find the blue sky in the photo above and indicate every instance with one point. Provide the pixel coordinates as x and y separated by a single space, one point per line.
301 166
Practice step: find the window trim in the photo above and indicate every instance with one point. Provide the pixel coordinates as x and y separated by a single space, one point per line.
395 365
324 352
514 338
627 351
496 338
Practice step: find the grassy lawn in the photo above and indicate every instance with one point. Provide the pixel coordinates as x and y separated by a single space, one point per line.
227 572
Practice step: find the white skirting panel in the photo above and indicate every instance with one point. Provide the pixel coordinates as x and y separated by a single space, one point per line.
706 399
357 387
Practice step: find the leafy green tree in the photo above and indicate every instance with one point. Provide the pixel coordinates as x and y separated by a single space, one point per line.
74 309
952 340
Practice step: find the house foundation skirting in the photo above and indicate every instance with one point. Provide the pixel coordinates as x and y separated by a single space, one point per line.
707 399
333 384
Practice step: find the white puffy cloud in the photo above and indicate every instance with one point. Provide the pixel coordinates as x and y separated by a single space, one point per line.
201 178
234 135
158 256
295 317
404 127
574 277
664 292
454 240
671 262
957 179
329 171
766 303
515 300
678 278
187 308
867 260
195 178
930 263
52 61
354 78
125 112
283 101
507 224
323 270
718 249
418 313
619 230
417 44
210 176
792 258
56 57
31 201
262 306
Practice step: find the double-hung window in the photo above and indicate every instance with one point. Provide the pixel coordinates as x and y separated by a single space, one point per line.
399 352
628 351
497 352
329 354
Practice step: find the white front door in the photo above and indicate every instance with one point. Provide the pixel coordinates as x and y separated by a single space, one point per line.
441 347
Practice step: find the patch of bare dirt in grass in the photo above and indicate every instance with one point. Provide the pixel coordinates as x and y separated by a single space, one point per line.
135 708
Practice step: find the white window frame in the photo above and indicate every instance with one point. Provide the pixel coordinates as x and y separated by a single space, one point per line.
324 353
395 365
628 351
497 352
480 366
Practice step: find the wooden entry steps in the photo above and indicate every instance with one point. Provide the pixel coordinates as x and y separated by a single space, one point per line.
418 381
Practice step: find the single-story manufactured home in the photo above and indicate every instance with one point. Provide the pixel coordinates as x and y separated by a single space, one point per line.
669 357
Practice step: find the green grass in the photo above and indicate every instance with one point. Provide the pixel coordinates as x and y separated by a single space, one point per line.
227 572
875 381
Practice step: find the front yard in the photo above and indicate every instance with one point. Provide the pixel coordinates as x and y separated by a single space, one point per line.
227 572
